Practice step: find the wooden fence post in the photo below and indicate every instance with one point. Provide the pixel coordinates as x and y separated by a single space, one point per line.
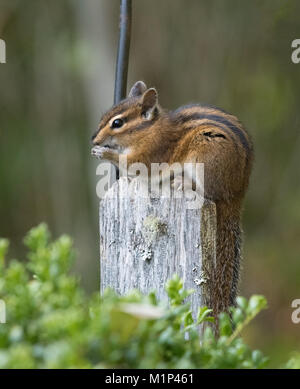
144 241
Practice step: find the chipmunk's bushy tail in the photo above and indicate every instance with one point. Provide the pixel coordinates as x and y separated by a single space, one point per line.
228 258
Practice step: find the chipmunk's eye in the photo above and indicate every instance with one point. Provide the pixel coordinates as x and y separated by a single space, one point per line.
117 123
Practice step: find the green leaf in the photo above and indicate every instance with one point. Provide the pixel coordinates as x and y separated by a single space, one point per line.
242 303
225 325
256 304
37 237
203 315
4 245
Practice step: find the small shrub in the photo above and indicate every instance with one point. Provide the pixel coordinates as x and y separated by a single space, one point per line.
52 323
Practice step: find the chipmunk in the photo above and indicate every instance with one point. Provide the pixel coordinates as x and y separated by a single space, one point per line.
140 129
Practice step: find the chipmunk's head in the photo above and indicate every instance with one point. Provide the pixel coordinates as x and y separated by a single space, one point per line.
124 123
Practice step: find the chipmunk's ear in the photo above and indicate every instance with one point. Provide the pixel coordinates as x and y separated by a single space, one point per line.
149 103
138 89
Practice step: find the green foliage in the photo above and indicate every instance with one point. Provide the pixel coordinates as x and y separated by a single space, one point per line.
51 323
294 362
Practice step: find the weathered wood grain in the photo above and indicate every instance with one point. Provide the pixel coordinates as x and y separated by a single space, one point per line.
144 241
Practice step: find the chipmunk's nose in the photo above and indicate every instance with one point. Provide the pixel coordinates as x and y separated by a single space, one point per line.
94 137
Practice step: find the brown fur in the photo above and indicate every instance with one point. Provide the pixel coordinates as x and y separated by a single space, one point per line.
194 133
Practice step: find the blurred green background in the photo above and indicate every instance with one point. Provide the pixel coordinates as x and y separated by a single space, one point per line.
59 79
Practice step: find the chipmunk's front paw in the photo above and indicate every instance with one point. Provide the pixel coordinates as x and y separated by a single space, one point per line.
177 184
101 152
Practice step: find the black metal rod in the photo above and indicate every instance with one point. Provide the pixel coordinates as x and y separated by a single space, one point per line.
123 51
